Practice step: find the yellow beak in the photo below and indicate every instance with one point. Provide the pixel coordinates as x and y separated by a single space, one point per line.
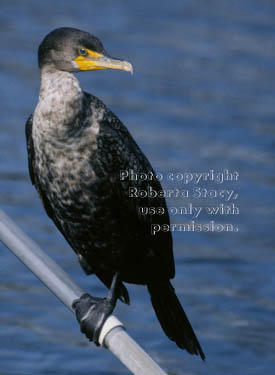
94 61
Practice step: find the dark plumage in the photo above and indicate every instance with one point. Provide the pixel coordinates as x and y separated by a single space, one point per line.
76 149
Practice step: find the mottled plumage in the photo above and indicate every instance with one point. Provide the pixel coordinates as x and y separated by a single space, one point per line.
77 148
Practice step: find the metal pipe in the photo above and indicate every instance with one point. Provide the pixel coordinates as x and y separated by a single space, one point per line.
113 336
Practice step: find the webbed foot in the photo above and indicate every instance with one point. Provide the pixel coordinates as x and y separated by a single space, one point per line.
92 312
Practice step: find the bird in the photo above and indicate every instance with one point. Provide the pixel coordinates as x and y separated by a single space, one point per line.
77 149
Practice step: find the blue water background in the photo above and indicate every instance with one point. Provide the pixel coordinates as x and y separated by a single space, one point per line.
202 98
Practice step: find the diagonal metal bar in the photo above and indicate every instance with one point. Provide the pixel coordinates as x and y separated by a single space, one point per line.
113 335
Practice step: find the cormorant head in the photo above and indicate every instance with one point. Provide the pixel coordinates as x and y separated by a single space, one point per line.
73 50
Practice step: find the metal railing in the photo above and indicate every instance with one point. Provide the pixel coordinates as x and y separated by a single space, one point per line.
113 335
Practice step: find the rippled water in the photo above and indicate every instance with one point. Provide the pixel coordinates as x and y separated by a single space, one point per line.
201 99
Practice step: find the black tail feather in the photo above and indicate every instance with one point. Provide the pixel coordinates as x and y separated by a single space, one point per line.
172 318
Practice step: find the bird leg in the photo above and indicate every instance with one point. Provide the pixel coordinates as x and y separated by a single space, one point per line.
92 312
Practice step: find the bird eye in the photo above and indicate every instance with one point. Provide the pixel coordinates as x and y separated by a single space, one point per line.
82 51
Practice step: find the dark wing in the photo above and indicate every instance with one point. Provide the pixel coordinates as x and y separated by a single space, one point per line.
116 143
30 148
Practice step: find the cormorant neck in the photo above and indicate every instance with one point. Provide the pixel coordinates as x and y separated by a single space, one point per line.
63 85
60 103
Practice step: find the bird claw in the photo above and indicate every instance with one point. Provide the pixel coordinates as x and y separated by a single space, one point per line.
91 313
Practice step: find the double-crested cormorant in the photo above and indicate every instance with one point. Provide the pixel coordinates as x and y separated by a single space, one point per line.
76 150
